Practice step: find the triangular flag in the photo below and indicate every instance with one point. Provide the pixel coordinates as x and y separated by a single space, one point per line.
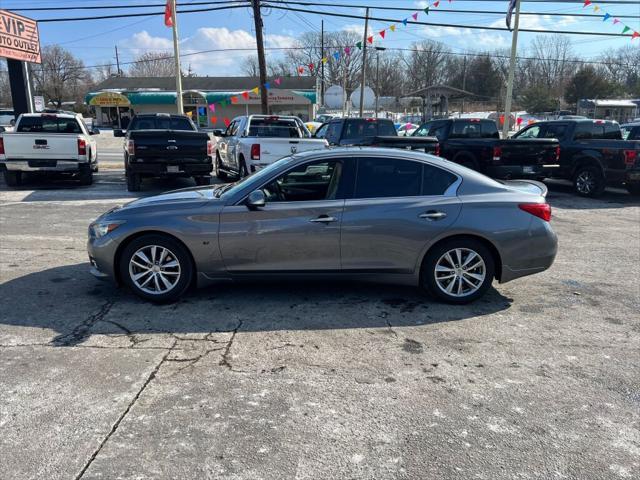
370 39
189 114
311 67
347 50
277 81
596 8
415 16
426 10
436 4
300 70
404 22
224 103
626 29
336 56
245 95
234 99
255 90
267 85
214 120
392 28
324 59
226 121
168 16
635 35
381 32
212 107
586 3
606 17
359 45
615 20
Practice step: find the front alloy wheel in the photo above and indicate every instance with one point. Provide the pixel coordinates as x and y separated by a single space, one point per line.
588 182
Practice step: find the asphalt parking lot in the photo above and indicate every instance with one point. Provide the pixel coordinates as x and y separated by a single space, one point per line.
540 379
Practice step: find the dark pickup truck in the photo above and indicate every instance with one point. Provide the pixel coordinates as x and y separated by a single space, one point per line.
476 143
631 131
371 132
592 154
160 145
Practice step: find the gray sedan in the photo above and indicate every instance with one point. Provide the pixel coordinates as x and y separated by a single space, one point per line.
365 213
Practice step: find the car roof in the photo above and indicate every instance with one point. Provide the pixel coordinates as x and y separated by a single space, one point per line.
58 115
632 124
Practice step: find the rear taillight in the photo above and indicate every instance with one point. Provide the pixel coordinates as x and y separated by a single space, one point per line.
436 151
82 146
131 147
558 153
540 210
1 146
630 157
209 148
497 154
255 151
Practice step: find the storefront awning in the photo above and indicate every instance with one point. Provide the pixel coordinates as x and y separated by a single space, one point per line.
308 94
107 99
152 98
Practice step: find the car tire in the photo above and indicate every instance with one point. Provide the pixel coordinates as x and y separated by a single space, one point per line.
588 181
217 167
634 189
243 169
85 176
202 180
455 284
133 182
13 179
175 266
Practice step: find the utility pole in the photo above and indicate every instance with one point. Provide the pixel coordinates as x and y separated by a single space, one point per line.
364 60
176 55
322 63
512 69
378 49
118 71
464 79
257 18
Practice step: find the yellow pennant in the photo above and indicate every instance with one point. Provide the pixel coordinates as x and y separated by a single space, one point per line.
392 28
596 8
255 90
324 59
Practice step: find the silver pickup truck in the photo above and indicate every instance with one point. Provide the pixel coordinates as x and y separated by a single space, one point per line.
48 143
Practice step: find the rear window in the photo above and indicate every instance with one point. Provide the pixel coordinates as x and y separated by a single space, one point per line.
279 128
474 129
597 130
48 125
361 128
161 123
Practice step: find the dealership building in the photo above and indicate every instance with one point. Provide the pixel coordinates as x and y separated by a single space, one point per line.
117 99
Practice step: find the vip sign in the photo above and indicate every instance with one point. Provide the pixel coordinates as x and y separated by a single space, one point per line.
19 38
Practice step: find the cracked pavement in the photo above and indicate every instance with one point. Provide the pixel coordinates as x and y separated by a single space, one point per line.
540 379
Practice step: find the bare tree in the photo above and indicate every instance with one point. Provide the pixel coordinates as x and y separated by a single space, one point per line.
104 71
249 66
5 90
622 66
153 64
426 64
61 76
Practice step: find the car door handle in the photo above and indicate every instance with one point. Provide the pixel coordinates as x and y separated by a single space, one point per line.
433 215
323 219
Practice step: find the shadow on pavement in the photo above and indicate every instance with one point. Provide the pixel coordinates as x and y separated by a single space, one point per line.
562 195
75 306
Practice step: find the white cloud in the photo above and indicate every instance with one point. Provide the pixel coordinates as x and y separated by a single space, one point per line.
206 39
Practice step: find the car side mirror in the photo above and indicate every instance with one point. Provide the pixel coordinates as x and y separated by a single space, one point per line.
118 132
218 133
2 129
94 131
256 199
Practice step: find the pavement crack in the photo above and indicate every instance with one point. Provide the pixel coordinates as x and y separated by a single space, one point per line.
390 327
224 362
117 423
82 331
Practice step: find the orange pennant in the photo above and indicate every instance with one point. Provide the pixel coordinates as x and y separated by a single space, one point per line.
234 99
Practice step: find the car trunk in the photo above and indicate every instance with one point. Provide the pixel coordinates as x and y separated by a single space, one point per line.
170 146
41 146
526 186
527 151
273 149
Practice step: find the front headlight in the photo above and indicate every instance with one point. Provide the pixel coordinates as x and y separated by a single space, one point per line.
100 229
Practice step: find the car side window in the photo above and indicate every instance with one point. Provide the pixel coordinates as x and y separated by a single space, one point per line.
438 130
307 182
423 130
582 131
229 131
387 177
436 181
612 131
554 131
322 131
333 132
386 128
530 132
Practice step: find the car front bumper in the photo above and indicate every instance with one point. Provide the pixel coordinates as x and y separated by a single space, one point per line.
102 254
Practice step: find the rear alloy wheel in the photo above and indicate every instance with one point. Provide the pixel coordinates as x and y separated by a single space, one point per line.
458 271
156 268
588 181
13 179
219 173
133 182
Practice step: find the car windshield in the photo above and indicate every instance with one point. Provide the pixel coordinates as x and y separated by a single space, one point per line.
232 188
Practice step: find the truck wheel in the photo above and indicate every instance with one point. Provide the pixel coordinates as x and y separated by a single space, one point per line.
133 182
243 169
588 181
202 180
86 175
13 179
219 173
633 189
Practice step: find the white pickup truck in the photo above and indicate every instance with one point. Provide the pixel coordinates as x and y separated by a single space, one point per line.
255 141
48 143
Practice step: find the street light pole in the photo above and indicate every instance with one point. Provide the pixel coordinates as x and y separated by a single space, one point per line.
378 50
364 61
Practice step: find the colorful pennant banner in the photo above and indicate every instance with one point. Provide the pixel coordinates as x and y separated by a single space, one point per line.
607 16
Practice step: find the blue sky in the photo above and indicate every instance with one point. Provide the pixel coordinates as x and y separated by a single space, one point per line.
94 41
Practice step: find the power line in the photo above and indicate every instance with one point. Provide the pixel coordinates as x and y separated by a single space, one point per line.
109 7
473 27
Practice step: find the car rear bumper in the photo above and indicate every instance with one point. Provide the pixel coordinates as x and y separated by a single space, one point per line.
515 171
171 169
41 165
533 255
